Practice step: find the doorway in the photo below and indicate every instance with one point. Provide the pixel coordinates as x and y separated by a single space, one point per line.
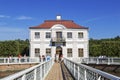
58 53
59 50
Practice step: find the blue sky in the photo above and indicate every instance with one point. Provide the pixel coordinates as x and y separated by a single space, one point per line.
101 16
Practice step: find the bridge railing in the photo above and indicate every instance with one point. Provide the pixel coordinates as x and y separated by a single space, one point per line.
97 60
83 72
6 60
37 72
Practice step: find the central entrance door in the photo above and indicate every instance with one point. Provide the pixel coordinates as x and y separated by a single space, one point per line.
58 50
58 53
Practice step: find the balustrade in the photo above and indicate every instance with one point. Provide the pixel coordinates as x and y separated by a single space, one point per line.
37 72
83 72
97 60
18 60
58 39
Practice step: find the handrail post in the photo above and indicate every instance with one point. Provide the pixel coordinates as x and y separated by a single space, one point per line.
87 60
97 61
4 60
112 60
41 72
44 69
8 60
23 77
35 71
85 73
19 60
108 61
78 72
74 70
99 78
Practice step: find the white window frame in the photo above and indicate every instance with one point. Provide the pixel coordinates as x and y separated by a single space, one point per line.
48 51
37 52
48 35
80 35
80 52
37 35
69 35
69 52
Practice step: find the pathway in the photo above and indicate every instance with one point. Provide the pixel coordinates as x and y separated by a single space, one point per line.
55 73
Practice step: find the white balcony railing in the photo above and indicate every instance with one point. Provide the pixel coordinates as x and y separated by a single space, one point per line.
58 39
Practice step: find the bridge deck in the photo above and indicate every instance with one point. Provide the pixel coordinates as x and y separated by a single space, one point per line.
55 73
59 72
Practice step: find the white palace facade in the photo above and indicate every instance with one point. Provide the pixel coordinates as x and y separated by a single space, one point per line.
63 37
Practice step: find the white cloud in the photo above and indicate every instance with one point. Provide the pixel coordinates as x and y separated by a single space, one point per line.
4 16
24 18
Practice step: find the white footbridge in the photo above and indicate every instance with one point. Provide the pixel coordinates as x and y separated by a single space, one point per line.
75 67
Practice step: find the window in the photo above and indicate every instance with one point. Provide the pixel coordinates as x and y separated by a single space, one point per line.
80 52
80 35
59 35
37 52
48 35
48 52
69 52
37 35
69 35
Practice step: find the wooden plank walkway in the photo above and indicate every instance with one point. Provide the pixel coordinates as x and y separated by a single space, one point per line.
55 73
59 72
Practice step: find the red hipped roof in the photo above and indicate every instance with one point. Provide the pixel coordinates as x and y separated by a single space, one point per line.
67 23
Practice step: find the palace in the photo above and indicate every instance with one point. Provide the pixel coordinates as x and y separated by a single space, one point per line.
62 37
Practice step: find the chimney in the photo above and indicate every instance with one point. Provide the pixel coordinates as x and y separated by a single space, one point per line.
58 17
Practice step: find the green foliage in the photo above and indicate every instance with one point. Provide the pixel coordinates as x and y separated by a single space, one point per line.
14 47
95 50
107 47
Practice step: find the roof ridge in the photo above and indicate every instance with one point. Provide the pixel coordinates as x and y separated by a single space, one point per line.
67 23
58 21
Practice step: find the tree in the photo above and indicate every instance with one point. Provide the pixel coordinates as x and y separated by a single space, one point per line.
14 47
109 47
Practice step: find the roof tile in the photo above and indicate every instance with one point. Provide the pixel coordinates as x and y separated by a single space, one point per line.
67 23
